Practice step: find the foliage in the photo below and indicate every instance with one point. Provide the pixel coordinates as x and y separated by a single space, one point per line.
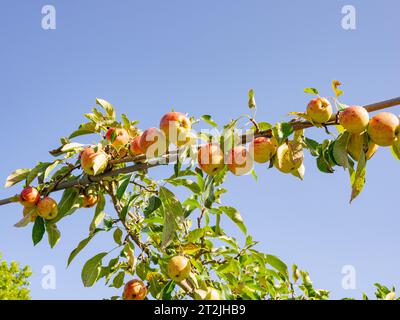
14 283
151 224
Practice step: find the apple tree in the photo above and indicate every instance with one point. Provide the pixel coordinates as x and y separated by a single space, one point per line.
174 247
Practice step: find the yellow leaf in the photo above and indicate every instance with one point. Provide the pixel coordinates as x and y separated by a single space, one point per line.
335 85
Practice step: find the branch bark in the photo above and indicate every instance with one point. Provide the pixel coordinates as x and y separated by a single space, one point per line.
87 180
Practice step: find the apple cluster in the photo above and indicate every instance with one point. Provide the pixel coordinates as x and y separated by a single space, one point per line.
35 206
366 134
178 269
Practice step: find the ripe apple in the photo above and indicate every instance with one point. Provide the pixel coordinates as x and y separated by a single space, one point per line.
135 146
239 161
134 290
93 162
383 128
47 208
212 294
29 197
153 142
284 160
210 158
354 119
262 149
355 146
319 110
118 137
176 127
179 268
89 200
32 211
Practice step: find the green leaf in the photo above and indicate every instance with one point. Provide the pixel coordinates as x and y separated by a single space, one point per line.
53 234
123 186
119 280
50 168
252 101
153 205
195 235
81 132
91 269
107 107
358 177
339 150
207 118
79 248
282 131
395 148
125 209
277 264
39 168
190 184
171 209
118 236
38 230
99 213
311 91
235 216
67 204
312 146
16 176
264 126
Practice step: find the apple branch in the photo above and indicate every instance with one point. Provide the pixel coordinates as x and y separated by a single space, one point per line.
85 180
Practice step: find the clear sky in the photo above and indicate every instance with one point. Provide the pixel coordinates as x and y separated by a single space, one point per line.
201 57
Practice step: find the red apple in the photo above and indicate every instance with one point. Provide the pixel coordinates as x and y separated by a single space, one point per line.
383 128
29 197
134 290
177 128
354 119
210 158
239 161
262 149
47 208
153 143
319 110
118 137
93 162
135 146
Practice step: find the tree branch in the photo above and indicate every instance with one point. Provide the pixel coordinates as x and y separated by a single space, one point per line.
87 180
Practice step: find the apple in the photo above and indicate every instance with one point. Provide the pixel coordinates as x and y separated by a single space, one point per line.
47 208
210 158
179 268
383 128
153 143
354 119
93 162
284 160
118 137
134 147
319 110
89 201
176 127
262 149
32 211
356 144
134 290
239 161
29 197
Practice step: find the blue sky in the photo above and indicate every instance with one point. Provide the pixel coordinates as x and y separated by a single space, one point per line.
201 57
